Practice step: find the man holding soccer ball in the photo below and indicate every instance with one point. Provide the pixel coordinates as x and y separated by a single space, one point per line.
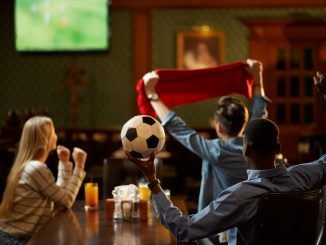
237 205
223 164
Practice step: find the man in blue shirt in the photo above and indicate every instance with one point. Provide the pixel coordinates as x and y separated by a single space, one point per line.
223 164
237 205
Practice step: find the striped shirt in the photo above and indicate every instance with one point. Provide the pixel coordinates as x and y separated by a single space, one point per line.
37 192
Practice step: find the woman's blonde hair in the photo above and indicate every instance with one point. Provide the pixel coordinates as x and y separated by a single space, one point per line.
32 146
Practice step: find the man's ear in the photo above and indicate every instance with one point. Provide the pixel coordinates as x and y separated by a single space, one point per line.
218 128
246 149
278 148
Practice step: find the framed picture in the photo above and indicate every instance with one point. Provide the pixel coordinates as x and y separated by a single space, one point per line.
200 49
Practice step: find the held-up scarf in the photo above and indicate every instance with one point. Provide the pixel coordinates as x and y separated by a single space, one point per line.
183 86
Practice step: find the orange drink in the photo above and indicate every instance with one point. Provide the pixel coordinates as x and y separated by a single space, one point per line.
144 192
91 196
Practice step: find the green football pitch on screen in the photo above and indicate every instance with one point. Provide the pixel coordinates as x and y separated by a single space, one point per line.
61 25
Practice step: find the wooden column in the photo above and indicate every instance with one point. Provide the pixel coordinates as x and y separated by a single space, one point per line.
142 48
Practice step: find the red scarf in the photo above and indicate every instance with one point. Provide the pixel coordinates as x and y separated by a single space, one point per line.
184 86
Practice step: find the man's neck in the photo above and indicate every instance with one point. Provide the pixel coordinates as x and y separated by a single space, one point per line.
263 162
224 137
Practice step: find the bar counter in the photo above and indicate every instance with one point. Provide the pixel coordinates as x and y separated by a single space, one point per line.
77 227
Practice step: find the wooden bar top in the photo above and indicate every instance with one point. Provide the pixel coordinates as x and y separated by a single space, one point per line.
77 227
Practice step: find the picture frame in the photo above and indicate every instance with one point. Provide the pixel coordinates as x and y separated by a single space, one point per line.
200 49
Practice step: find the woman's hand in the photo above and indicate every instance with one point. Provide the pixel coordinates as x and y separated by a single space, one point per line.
79 157
63 153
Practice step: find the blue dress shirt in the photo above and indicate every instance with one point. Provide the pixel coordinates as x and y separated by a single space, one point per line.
222 161
237 205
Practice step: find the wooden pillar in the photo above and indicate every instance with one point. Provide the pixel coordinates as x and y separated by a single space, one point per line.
141 43
142 48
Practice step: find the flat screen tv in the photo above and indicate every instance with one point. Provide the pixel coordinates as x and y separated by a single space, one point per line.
62 25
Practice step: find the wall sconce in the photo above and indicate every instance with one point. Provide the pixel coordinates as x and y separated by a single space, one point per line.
201 28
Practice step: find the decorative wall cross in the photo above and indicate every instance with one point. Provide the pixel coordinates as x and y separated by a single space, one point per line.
74 76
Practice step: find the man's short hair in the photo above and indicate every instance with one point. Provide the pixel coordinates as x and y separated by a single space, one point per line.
231 114
262 135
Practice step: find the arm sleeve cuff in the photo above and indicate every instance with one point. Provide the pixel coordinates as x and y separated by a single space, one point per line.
168 117
65 166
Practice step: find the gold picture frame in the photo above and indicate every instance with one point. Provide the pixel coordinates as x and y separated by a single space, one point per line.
200 49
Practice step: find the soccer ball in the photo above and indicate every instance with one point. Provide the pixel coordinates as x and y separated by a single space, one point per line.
142 135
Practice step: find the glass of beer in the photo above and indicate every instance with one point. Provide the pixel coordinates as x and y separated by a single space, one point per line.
144 192
91 196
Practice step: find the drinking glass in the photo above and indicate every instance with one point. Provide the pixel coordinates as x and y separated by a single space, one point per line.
144 192
91 196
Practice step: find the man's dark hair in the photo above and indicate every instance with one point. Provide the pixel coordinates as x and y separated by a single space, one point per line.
263 136
231 114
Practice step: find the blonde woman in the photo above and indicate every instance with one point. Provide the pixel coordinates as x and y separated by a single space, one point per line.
31 191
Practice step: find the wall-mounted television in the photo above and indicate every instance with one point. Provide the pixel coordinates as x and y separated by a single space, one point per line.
62 25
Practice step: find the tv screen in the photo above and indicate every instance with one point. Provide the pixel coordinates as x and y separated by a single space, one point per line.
62 25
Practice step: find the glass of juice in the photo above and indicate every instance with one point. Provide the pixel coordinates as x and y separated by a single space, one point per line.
144 192
91 196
